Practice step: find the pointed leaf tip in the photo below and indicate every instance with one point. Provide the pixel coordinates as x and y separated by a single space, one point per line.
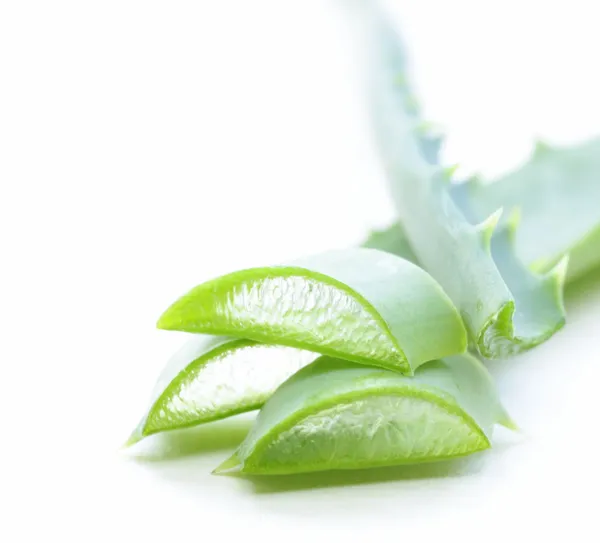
231 465
541 147
514 219
431 129
475 182
131 441
558 274
449 172
507 421
486 228
512 223
412 104
136 436
165 321
400 80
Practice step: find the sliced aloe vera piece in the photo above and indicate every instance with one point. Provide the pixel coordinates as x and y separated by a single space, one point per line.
213 378
506 307
557 196
335 414
363 305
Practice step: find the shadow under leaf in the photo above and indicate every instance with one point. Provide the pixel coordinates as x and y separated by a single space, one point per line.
579 291
309 481
208 438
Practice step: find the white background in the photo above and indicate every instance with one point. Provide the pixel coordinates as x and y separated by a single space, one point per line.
148 146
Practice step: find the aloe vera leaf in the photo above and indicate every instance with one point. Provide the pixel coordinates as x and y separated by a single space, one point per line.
556 194
391 240
212 378
336 414
506 307
358 304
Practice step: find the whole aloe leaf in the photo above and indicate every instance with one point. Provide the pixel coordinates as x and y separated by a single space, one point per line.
213 378
359 304
506 308
335 414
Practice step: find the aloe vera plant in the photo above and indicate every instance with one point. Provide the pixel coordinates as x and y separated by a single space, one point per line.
335 414
506 307
392 387
358 304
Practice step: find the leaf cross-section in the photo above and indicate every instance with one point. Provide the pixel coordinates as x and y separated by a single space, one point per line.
363 305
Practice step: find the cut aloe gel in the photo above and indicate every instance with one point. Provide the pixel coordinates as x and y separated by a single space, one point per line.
212 378
335 414
363 305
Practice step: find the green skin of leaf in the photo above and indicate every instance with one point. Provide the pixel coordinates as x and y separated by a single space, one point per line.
506 307
171 408
556 196
392 240
446 410
184 396
553 198
212 378
363 305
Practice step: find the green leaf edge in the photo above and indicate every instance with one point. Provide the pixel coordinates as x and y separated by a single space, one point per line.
418 139
141 432
230 465
165 321
580 248
502 321
170 320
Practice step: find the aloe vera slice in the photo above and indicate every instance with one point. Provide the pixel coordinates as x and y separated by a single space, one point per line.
362 304
213 378
557 196
335 414
506 307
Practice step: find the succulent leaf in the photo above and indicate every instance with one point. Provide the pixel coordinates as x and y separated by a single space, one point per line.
364 305
506 307
213 378
335 414
557 193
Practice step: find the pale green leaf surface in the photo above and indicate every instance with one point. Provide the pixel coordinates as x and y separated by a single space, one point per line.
557 197
364 305
554 211
336 414
212 378
506 308
391 240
